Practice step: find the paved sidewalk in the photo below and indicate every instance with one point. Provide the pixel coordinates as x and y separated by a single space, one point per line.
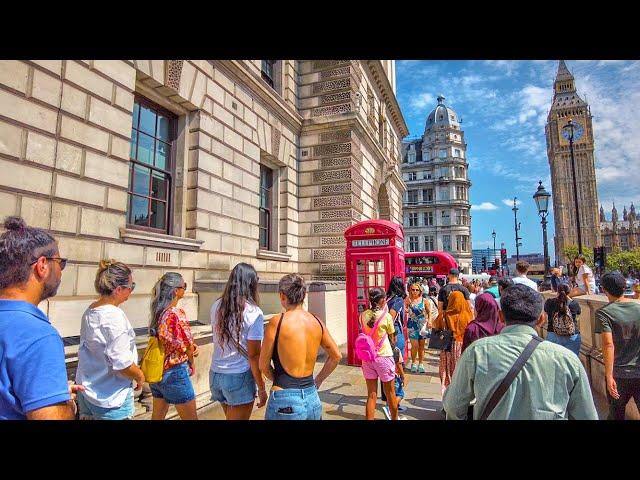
344 395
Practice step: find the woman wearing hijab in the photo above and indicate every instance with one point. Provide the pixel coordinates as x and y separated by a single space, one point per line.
487 322
456 318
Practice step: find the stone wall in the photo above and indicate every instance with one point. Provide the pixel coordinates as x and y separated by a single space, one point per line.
65 133
591 349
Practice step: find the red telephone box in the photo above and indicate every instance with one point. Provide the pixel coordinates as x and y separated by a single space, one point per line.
374 254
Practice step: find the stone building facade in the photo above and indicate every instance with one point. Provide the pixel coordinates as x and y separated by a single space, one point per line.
620 234
566 105
435 169
196 165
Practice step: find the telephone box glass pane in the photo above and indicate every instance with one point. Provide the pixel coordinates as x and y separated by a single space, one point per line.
361 280
360 266
380 266
360 308
381 281
372 280
361 294
371 267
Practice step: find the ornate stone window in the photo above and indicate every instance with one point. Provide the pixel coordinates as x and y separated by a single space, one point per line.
152 167
462 243
413 220
266 207
412 196
428 219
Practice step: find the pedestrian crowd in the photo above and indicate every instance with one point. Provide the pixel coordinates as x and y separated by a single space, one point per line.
492 363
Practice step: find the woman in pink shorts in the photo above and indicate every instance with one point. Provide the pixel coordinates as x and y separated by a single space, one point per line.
383 367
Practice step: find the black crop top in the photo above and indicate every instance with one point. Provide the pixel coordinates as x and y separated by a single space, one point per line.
280 377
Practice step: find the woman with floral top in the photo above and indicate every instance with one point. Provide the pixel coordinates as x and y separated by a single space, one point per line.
169 323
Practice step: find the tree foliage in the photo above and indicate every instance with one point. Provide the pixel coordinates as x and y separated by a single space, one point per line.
571 252
624 261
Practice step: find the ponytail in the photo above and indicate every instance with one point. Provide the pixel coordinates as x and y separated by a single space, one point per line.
563 298
376 294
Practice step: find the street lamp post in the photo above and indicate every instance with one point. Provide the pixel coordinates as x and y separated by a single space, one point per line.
516 226
573 132
542 202
493 234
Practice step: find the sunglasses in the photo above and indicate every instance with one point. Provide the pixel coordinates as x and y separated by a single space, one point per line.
184 287
62 261
415 289
132 287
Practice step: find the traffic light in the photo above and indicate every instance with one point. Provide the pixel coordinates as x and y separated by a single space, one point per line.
503 256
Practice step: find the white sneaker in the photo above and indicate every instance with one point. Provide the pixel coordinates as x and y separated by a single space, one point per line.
386 412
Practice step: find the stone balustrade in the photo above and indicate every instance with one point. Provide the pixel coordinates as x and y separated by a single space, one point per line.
591 349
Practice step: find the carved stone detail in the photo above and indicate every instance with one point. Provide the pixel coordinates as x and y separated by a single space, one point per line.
337 188
336 162
335 97
332 110
338 72
335 136
335 214
333 227
332 202
331 149
330 175
173 73
339 84
336 254
332 268
319 64
275 141
333 241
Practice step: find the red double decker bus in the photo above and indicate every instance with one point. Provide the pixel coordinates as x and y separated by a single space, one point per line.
419 265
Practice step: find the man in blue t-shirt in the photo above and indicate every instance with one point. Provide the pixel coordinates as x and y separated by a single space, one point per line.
33 376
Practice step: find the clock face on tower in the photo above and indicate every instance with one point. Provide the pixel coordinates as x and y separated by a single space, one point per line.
578 131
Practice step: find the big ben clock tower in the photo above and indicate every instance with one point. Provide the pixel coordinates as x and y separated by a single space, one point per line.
567 105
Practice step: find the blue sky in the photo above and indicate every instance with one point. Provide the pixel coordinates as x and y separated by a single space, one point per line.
503 105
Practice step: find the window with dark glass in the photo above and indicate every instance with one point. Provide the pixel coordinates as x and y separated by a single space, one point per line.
267 71
412 196
413 244
266 185
151 167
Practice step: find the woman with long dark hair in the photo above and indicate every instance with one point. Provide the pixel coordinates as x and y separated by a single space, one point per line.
238 328
561 311
396 294
293 346
169 323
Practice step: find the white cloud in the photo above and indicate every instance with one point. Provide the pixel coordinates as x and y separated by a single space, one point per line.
509 202
422 101
484 206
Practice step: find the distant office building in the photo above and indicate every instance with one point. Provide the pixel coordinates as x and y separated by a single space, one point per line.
483 258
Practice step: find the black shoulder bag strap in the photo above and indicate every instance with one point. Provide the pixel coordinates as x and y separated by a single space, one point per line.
513 373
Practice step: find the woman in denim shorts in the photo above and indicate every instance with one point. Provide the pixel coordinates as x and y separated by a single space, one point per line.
171 326
108 357
238 327
292 341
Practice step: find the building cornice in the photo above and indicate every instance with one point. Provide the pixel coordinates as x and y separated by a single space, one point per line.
241 72
386 90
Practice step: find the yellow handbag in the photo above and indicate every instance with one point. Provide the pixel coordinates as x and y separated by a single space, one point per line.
152 364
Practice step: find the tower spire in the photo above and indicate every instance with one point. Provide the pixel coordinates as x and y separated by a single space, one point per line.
564 79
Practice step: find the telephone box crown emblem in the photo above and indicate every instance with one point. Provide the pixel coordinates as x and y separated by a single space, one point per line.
370 230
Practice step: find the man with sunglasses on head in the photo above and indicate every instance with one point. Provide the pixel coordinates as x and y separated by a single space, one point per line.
33 376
